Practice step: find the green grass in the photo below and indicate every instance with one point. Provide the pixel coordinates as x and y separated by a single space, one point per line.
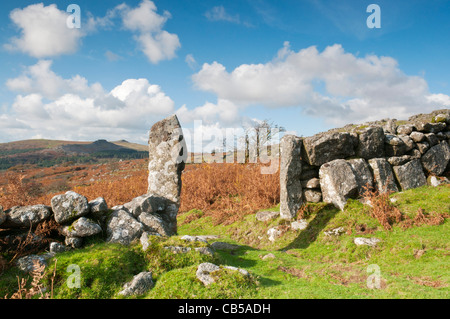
307 263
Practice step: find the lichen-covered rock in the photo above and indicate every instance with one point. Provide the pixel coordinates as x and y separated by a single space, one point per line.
98 206
337 182
372 242
409 143
56 248
431 139
290 172
30 263
69 206
155 223
148 203
299 224
363 175
436 181
140 284
82 227
405 129
423 147
311 183
429 127
167 158
122 227
335 231
442 118
436 159
313 195
266 215
383 175
204 271
73 242
190 238
178 249
390 127
205 251
417 136
371 143
410 175
273 233
144 239
26 216
325 147
395 146
399 160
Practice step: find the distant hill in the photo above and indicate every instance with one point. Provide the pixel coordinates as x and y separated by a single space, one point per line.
42 152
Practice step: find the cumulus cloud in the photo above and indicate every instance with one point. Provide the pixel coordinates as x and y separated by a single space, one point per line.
56 107
332 84
224 112
44 32
156 43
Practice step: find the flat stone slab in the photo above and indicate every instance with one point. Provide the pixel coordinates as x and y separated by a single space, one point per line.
372 242
267 215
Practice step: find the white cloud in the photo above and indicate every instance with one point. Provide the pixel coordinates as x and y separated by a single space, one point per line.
56 107
190 60
332 84
111 56
224 112
39 78
44 32
156 43
219 13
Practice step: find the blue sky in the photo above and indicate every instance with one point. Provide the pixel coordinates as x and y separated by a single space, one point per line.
308 65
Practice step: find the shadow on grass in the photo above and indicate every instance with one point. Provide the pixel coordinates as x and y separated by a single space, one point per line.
312 231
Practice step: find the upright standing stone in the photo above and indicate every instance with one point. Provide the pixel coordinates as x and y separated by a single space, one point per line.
290 171
363 175
167 157
383 175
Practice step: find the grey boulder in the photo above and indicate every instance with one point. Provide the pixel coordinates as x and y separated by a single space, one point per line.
139 285
82 227
383 175
69 206
337 182
325 147
371 143
410 175
122 227
26 216
436 159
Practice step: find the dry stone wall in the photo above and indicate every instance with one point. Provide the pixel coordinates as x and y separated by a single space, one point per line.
153 213
387 155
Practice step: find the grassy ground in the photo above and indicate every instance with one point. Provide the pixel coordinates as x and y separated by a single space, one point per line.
412 262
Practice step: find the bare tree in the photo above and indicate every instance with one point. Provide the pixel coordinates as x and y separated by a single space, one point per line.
259 134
